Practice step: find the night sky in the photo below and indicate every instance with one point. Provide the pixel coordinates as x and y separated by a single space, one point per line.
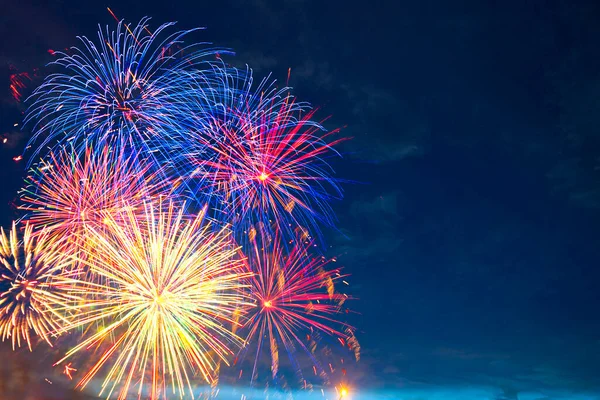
470 223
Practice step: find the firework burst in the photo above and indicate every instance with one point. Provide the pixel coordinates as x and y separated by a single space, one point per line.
112 88
29 272
66 193
258 151
163 311
295 299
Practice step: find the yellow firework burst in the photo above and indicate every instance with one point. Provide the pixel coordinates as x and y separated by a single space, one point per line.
32 276
170 286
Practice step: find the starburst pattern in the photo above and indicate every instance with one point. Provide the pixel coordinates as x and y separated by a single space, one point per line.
295 296
170 288
257 151
113 88
30 269
67 193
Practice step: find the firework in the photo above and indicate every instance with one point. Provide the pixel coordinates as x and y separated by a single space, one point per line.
257 151
170 286
153 297
112 88
295 299
67 192
29 269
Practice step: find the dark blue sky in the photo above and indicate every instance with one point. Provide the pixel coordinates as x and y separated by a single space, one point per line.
473 237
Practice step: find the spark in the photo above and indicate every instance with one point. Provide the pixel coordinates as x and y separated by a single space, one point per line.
68 370
263 176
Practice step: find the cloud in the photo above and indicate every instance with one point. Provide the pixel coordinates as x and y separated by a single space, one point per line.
316 73
580 184
369 232
260 63
447 352
385 127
